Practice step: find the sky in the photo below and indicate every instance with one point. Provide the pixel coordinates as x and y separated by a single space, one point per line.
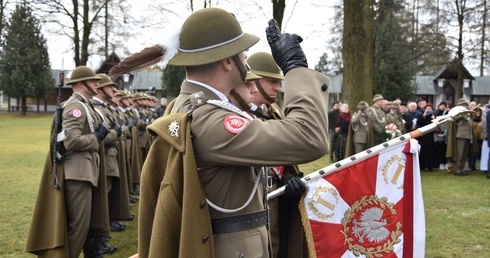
310 19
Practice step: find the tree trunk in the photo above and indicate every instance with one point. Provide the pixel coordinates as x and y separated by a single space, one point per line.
358 51
23 106
76 33
483 35
461 5
87 26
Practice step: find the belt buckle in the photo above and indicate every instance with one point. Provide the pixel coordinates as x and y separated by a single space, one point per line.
269 182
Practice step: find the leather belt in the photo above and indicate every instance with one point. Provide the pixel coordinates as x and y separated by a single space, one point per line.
239 222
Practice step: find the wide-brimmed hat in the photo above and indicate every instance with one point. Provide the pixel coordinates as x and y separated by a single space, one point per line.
105 80
139 95
362 104
395 105
263 64
82 73
252 76
210 35
462 101
377 97
122 94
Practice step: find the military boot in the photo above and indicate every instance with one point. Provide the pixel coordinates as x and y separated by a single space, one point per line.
103 247
92 250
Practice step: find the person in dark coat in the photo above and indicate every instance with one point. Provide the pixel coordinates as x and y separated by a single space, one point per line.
426 141
333 115
342 129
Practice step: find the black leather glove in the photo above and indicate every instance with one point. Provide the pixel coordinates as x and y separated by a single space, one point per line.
294 187
285 48
102 131
117 128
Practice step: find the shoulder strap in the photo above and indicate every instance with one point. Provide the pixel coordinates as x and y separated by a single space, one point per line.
230 107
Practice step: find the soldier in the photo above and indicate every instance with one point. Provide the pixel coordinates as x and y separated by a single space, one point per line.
395 117
128 116
243 95
460 135
79 197
105 94
359 137
235 223
144 117
378 120
269 86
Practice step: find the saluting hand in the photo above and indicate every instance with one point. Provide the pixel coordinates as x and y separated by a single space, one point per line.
285 48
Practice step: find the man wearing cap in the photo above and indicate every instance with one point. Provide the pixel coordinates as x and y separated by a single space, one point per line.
101 103
226 144
460 135
62 224
243 95
395 117
140 104
281 224
378 119
359 137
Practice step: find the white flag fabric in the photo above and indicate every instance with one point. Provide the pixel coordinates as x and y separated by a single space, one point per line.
371 209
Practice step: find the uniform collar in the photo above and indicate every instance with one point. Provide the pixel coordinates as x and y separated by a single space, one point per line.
219 94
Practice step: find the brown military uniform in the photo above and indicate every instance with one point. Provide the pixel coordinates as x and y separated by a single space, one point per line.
378 121
359 125
81 166
397 120
225 167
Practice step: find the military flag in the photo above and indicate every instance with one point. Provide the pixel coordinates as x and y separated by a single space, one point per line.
373 208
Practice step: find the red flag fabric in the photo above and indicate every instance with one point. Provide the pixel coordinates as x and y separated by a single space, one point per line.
370 209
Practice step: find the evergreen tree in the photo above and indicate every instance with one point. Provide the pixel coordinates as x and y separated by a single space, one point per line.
172 79
24 62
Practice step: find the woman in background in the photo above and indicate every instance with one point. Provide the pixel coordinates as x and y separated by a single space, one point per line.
342 128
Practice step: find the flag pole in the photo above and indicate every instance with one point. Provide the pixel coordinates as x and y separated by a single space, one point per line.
440 121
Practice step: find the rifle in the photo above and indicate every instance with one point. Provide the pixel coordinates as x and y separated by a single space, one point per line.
58 134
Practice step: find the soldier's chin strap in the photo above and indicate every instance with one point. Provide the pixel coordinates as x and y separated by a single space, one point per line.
89 88
262 91
241 102
241 67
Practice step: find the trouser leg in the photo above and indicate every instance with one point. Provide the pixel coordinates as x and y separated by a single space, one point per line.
78 198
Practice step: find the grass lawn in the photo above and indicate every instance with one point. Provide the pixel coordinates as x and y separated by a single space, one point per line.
457 209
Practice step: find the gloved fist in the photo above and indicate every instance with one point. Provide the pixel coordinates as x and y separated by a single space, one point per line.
294 187
102 131
285 48
117 128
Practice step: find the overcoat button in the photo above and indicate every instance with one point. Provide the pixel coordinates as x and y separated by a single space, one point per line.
203 204
324 87
241 256
205 239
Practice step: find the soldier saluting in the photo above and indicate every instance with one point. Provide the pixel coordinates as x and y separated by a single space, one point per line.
214 207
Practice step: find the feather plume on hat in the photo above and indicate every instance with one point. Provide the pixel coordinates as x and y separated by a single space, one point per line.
160 53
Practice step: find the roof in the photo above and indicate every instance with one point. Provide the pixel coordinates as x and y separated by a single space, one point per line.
145 79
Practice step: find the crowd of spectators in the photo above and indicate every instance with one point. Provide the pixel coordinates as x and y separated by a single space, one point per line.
352 132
